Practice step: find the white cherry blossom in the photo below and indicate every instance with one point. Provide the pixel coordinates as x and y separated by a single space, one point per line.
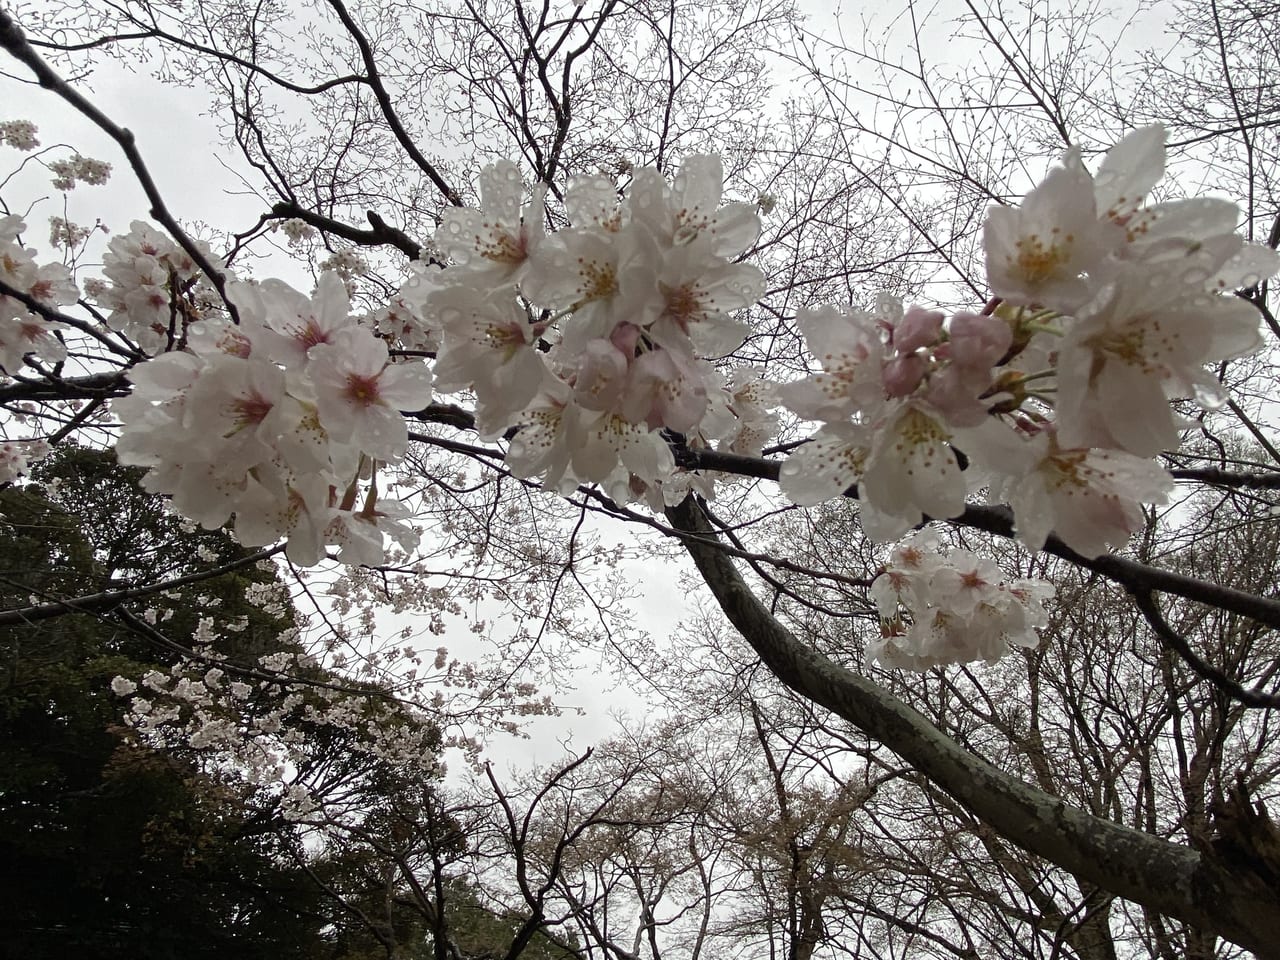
292 323
1091 498
495 242
360 394
1144 341
850 348
489 346
912 471
943 608
826 466
1037 251
690 210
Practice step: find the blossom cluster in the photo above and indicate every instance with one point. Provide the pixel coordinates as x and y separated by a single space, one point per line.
16 457
594 340
19 134
254 725
77 169
1058 393
278 420
256 719
153 288
24 333
938 608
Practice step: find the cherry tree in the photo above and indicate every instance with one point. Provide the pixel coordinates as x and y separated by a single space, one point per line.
621 330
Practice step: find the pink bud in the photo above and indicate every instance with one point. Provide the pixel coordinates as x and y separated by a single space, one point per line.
955 395
919 328
625 336
903 374
978 341
601 373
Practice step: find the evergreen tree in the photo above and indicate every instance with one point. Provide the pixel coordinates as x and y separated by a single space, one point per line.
114 849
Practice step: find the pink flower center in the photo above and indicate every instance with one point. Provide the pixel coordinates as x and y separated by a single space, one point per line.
309 334
683 304
362 391
252 409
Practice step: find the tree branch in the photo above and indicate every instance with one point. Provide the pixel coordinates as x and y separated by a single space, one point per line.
1164 876
13 41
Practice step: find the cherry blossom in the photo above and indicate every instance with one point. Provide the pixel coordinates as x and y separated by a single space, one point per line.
359 394
19 134
16 457
598 353
1144 341
1091 498
827 466
155 287
690 211
488 345
21 331
495 242
850 347
911 471
288 323
941 608
1037 251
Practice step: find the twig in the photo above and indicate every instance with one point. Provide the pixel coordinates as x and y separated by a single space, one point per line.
1145 601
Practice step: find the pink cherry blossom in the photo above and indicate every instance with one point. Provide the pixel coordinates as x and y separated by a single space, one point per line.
360 395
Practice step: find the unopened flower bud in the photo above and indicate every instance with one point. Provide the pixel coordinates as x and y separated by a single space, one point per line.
903 374
918 328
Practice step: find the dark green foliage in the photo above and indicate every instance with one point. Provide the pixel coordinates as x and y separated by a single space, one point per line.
113 850
110 848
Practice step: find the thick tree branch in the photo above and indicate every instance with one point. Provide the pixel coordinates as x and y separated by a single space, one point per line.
1164 876
382 234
